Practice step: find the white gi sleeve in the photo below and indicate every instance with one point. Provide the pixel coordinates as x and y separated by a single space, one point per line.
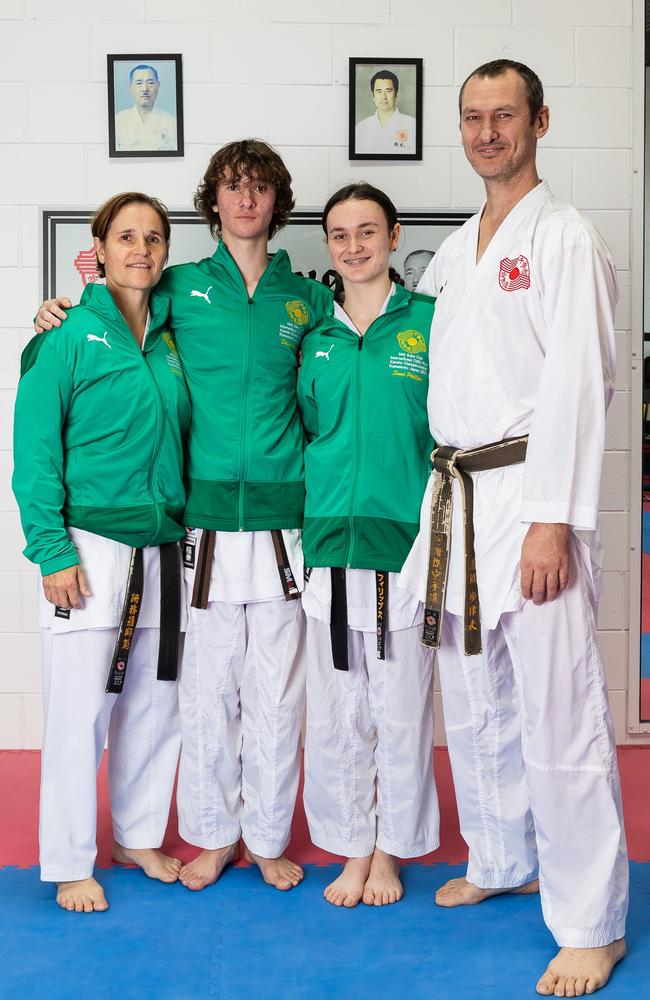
567 436
428 285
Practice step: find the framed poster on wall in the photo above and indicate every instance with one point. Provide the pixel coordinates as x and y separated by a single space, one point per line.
68 261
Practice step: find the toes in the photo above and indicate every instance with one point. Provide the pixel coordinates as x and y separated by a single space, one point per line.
88 905
546 985
368 897
570 987
580 987
560 987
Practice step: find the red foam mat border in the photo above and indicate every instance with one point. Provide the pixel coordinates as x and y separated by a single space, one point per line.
19 779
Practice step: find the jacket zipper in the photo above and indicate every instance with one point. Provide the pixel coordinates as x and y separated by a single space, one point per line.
243 424
357 449
155 454
244 416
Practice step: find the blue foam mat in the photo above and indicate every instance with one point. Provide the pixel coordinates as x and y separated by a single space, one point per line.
645 532
241 940
645 654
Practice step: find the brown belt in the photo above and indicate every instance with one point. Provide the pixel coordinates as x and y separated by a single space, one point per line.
450 464
203 570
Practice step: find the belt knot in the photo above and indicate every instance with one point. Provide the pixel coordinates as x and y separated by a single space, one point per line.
444 460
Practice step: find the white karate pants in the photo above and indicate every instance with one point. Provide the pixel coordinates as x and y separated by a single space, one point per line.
368 752
534 761
242 699
143 730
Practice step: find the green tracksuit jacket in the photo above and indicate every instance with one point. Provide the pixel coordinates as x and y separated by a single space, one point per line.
364 407
240 356
99 432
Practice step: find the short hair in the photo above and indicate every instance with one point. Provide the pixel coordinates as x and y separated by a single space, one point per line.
384 74
143 66
362 191
254 158
106 213
532 83
430 253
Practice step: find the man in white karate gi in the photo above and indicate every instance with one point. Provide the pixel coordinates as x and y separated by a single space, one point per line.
388 130
522 346
144 127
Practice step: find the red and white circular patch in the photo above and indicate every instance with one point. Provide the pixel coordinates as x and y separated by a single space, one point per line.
514 274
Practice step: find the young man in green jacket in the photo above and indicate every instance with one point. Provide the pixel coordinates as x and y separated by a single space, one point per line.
238 318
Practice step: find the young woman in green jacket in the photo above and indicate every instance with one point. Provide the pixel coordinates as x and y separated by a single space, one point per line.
369 787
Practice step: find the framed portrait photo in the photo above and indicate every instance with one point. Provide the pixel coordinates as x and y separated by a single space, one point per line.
145 105
385 117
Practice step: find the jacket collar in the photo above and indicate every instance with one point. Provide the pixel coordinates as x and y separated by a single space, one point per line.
98 298
222 260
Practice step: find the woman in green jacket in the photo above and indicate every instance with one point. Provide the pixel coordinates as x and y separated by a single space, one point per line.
101 414
369 787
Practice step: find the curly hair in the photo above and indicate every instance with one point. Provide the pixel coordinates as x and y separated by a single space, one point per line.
103 218
253 158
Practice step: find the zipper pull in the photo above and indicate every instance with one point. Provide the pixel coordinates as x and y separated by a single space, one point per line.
360 343
250 302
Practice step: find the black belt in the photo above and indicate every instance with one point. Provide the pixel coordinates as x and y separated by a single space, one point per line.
203 571
450 464
339 616
170 617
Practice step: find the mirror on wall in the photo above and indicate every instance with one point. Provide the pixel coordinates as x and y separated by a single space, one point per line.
644 687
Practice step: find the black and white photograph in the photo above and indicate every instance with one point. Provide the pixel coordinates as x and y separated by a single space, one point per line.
385 117
145 105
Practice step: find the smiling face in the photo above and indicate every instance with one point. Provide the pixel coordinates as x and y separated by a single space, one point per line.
144 89
384 95
359 240
498 138
245 207
134 250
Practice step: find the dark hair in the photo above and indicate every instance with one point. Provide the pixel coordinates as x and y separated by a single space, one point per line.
255 159
144 66
105 214
362 191
384 74
532 83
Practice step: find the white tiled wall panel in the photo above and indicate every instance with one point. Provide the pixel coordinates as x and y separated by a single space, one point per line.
278 69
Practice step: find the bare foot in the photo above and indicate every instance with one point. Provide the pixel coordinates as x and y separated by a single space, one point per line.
153 862
207 866
460 892
576 971
83 896
279 872
347 889
383 885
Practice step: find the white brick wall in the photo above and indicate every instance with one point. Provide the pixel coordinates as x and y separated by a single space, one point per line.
279 70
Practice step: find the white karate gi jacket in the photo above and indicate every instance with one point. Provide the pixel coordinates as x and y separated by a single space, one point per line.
396 136
521 343
156 132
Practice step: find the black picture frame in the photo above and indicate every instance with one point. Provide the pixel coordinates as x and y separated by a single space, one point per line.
404 141
165 139
68 260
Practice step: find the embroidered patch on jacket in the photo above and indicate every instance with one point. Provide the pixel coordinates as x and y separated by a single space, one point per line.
514 274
